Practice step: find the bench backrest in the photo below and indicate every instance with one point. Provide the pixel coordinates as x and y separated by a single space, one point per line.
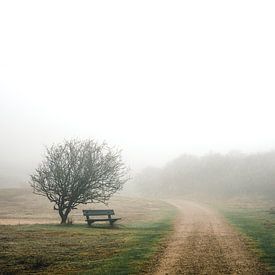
98 212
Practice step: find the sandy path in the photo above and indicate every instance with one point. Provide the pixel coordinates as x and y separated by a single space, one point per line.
203 243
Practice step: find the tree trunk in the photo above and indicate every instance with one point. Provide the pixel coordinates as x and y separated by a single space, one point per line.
64 216
63 219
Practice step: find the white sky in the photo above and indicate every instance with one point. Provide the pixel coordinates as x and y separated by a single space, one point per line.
156 78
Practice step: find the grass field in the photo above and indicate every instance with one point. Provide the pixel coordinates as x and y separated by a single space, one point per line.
254 220
129 248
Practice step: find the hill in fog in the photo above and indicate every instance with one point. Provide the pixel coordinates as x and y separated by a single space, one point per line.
214 174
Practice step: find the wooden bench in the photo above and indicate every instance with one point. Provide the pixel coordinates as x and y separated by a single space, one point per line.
95 213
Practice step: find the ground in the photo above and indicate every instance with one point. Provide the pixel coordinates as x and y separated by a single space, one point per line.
32 241
175 236
204 243
255 220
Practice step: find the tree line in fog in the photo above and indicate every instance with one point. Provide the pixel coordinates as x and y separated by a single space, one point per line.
214 174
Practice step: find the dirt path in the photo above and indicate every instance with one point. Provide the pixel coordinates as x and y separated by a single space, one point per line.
203 243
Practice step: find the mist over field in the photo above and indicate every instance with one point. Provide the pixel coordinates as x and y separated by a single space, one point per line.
137 137
214 175
156 79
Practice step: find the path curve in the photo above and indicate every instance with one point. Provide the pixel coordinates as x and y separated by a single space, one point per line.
204 243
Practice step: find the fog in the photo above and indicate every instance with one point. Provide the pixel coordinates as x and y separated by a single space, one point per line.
158 79
214 175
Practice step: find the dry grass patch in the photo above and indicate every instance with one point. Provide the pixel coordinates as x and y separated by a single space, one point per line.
128 248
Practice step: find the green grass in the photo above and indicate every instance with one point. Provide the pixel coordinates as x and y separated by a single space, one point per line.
125 249
257 224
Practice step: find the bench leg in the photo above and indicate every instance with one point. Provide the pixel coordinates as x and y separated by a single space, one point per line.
112 222
89 223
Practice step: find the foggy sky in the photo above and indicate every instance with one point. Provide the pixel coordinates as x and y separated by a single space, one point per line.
156 78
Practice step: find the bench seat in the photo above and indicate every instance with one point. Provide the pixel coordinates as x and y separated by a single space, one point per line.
92 213
112 220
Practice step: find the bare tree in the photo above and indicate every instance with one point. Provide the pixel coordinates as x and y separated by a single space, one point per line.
79 172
